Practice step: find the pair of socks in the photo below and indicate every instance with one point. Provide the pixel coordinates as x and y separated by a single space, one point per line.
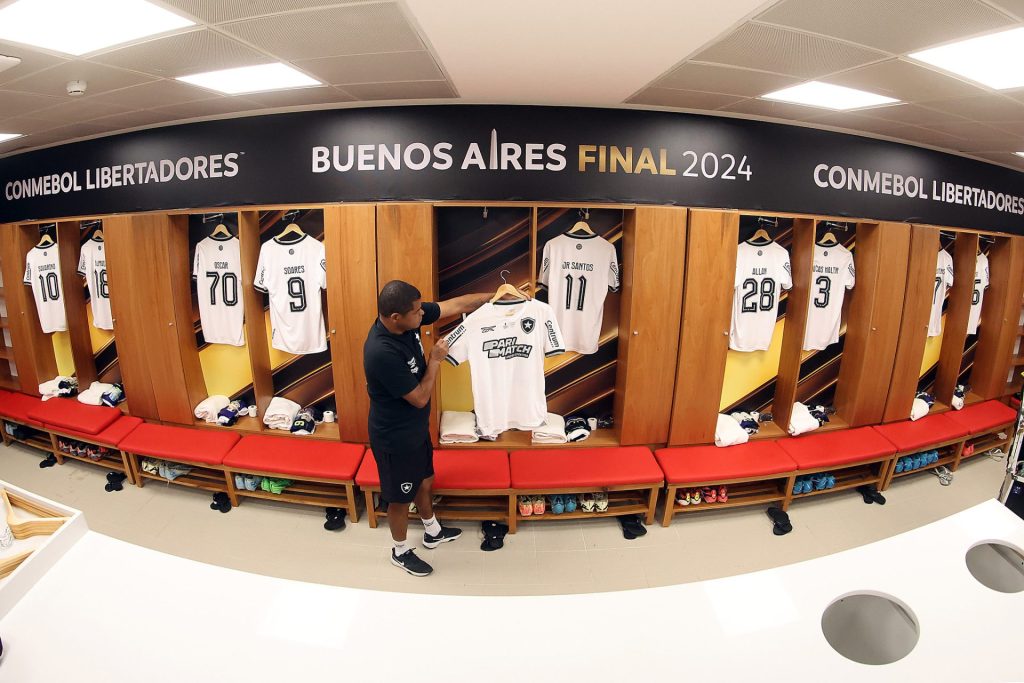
430 526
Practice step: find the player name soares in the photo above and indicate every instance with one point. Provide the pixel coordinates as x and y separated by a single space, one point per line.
291 270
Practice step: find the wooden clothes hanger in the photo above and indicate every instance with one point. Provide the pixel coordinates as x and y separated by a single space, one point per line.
290 229
828 238
97 234
45 240
222 230
761 234
581 226
507 290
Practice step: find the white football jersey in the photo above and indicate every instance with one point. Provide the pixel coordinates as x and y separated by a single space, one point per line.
505 343
293 275
92 265
42 272
943 280
832 274
981 282
762 272
579 270
217 268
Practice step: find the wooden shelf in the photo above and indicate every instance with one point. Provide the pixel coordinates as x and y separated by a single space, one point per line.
248 425
326 431
846 479
619 503
110 461
289 495
768 430
1017 361
7 353
198 478
946 460
519 440
750 493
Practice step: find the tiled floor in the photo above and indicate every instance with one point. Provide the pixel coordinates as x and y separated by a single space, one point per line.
289 541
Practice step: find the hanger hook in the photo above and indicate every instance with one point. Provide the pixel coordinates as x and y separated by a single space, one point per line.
503 275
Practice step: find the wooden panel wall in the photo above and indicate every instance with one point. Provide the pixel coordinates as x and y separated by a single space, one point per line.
954 334
704 332
654 251
407 250
1000 313
33 350
913 332
350 242
801 260
180 282
255 318
69 240
873 324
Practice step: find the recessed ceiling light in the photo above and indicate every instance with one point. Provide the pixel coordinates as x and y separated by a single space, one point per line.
4 137
994 60
828 96
75 27
246 79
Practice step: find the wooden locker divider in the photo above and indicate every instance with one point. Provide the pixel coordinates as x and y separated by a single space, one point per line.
913 329
1000 313
69 241
180 271
801 260
33 350
351 243
255 317
407 250
872 327
954 333
704 331
653 255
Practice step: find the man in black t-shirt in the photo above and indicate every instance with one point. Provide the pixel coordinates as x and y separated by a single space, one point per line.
400 382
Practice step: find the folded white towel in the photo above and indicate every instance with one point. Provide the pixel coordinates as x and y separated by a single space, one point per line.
919 409
209 407
50 389
280 413
458 427
93 396
729 433
801 421
957 402
552 431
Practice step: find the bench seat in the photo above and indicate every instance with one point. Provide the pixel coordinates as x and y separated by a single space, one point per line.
470 470
181 444
837 449
580 468
983 417
295 458
915 435
711 464
112 435
69 413
16 406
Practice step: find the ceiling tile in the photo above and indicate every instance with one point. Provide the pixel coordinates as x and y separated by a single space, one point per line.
904 81
135 119
1015 7
777 110
100 78
984 108
376 68
359 29
154 94
896 27
299 96
18 103
1012 127
26 125
979 135
413 90
77 109
865 124
683 99
1016 94
184 54
230 10
723 79
769 48
31 61
211 107
911 114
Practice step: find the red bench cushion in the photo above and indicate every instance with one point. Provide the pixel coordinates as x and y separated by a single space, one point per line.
982 417
714 464
69 413
910 435
836 449
296 457
180 443
467 469
16 406
584 467
111 436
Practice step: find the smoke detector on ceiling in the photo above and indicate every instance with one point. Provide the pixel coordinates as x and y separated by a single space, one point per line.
76 88
8 62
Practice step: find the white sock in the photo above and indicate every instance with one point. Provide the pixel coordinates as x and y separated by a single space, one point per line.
402 547
432 526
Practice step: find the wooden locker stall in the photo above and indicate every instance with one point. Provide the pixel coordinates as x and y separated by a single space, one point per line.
801 261
255 327
653 256
954 332
69 240
873 324
711 243
1000 314
33 350
913 330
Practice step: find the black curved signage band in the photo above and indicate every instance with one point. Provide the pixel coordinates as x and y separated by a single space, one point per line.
510 153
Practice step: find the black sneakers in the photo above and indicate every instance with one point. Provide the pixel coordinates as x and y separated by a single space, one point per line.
446 534
410 563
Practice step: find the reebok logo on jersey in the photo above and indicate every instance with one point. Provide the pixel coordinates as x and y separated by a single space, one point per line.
489 328
528 324
507 348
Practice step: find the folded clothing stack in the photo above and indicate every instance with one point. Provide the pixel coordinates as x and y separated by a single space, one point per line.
728 432
113 396
228 415
958 397
58 386
208 408
552 431
281 413
748 421
93 396
577 428
458 427
306 420
922 404
801 420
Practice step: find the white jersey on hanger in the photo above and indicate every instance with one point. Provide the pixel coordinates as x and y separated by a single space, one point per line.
42 272
505 343
832 273
762 272
981 282
293 275
217 269
92 265
943 280
579 270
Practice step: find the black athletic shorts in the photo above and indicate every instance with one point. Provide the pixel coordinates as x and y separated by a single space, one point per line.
402 470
